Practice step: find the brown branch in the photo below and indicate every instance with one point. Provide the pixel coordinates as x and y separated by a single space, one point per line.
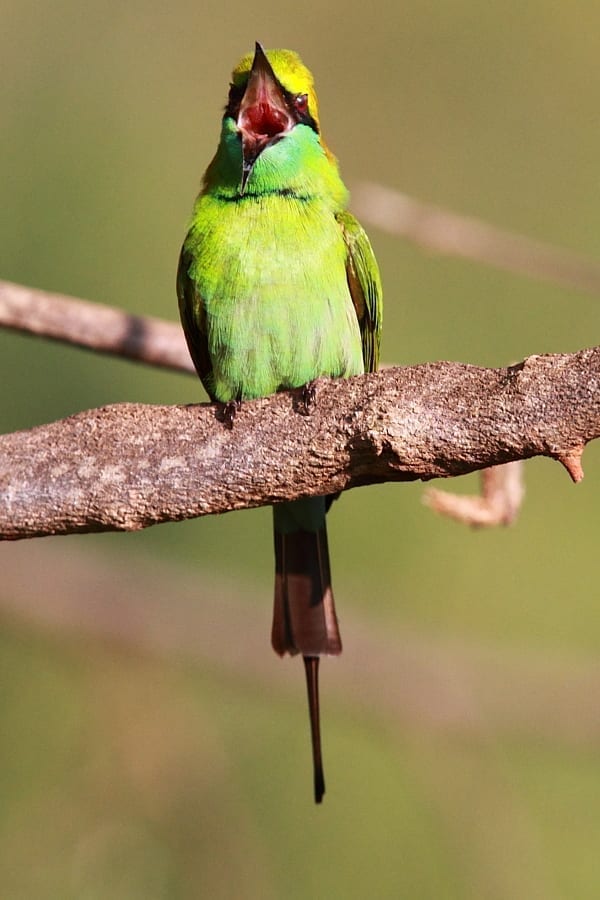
502 492
444 231
156 342
94 326
128 466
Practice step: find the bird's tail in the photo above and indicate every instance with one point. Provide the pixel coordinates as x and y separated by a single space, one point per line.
304 619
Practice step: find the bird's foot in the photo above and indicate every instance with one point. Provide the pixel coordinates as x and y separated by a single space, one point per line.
229 411
308 397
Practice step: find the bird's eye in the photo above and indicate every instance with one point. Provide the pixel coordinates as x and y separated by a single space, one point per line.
301 103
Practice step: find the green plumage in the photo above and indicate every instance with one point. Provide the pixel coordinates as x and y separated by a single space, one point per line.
264 279
277 286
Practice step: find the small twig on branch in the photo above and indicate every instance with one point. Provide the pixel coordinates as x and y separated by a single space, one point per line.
443 231
94 326
129 466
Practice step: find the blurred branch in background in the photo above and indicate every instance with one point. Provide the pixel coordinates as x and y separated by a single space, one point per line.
502 492
453 686
128 466
153 341
94 326
448 233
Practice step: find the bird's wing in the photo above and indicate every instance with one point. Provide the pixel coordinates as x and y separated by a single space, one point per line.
365 287
193 319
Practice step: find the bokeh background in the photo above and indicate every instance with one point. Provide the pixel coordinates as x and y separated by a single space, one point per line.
152 745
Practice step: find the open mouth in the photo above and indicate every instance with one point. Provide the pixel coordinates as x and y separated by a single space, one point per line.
264 120
264 116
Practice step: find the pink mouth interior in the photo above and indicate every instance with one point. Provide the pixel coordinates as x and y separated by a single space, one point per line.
264 119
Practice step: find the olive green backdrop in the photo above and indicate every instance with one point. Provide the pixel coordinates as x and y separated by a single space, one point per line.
130 774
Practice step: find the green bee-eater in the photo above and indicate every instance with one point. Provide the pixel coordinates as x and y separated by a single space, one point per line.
277 286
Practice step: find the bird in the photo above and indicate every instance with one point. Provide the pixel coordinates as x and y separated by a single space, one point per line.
278 286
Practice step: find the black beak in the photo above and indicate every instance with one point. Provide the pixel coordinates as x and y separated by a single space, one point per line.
264 116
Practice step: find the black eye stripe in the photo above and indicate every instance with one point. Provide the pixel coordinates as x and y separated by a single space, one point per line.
302 117
234 100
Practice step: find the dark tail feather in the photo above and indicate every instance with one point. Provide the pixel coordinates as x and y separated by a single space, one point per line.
304 619
311 666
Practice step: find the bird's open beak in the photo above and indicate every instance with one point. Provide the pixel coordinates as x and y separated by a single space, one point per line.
264 116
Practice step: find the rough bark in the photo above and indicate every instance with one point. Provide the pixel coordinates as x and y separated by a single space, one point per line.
128 466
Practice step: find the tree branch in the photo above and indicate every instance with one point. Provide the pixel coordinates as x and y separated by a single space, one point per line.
128 466
94 326
502 492
444 231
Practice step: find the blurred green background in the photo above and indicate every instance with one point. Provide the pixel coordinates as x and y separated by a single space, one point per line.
462 723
